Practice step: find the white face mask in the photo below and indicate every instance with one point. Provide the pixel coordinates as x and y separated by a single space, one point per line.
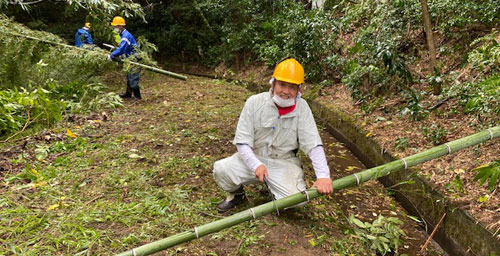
283 102
117 30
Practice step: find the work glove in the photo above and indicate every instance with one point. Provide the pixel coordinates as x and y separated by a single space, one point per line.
109 57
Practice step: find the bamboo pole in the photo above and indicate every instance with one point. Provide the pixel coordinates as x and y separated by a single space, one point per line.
157 70
150 68
338 184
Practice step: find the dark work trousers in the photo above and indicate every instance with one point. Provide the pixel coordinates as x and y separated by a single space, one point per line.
133 84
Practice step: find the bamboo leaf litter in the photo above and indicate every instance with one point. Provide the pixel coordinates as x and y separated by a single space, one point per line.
338 184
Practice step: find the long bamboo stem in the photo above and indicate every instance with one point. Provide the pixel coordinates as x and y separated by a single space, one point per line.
150 68
345 182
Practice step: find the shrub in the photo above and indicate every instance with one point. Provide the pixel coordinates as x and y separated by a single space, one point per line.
381 236
482 97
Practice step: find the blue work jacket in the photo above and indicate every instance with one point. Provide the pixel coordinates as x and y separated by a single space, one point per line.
127 45
82 37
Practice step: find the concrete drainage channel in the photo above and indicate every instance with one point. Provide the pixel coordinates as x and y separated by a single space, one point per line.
458 233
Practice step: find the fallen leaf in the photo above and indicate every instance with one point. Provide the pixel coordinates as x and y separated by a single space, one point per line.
312 241
34 172
484 198
134 156
39 184
52 207
351 167
70 134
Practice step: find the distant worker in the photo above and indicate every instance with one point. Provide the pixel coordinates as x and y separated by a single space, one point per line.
272 127
126 48
82 36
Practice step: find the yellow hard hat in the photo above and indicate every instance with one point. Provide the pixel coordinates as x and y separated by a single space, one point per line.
118 21
87 24
289 71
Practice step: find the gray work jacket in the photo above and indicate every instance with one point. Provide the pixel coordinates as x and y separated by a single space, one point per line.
273 136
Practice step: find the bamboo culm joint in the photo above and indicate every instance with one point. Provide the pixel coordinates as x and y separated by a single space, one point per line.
342 183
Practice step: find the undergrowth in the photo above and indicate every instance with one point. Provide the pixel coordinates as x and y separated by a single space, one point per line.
42 79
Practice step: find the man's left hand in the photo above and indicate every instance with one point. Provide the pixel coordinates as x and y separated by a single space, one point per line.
324 185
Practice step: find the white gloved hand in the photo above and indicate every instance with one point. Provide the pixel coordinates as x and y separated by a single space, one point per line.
109 57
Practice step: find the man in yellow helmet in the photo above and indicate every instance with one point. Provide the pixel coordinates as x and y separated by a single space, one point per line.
126 48
272 127
82 36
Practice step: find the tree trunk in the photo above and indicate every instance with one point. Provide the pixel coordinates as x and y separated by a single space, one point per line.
430 42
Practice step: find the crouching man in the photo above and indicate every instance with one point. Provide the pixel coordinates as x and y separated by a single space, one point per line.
272 127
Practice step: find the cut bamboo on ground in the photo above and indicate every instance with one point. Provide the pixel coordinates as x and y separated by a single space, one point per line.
345 182
147 67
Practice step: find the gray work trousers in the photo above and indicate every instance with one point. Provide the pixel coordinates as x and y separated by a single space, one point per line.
285 176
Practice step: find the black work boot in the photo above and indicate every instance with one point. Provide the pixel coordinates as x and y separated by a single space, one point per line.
233 199
127 94
137 93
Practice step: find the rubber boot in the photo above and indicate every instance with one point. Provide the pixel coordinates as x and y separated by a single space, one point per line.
127 94
233 199
137 93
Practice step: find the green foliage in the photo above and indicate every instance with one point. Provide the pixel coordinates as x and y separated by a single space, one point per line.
479 97
40 82
401 143
383 46
216 31
488 172
375 63
63 18
347 246
486 56
100 8
109 100
28 60
461 13
309 36
381 236
17 106
414 107
456 185
210 30
47 105
368 44
435 134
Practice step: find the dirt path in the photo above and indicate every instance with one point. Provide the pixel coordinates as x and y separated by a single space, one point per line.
144 172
